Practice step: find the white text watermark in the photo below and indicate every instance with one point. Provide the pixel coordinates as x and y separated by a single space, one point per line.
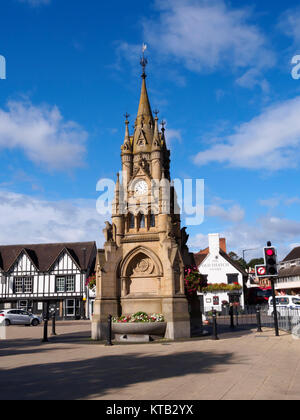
179 197
296 68
2 67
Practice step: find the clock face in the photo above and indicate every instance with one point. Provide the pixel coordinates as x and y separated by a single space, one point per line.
141 188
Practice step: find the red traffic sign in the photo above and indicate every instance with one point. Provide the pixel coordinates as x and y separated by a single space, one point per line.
260 270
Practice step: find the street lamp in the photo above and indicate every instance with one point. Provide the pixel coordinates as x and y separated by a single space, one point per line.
250 249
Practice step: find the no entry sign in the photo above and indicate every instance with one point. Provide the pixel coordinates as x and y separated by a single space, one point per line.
261 270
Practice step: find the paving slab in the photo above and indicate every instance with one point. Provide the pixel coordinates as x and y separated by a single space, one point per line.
241 365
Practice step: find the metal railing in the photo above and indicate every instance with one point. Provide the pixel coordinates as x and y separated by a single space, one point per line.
256 316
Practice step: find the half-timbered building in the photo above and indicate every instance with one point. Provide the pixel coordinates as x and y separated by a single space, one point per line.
31 275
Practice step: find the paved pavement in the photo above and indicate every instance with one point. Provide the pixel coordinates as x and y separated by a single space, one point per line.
241 365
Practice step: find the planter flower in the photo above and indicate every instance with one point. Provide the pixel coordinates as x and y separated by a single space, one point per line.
140 323
139 317
221 287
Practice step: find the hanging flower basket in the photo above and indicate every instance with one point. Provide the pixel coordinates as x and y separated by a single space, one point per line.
193 281
91 281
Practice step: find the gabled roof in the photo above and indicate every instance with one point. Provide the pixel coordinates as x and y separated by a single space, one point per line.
234 263
293 271
293 255
201 256
30 255
44 255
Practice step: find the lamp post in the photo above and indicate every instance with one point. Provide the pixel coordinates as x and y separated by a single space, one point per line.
247 250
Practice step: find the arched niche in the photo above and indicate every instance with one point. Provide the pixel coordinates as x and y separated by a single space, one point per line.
141 273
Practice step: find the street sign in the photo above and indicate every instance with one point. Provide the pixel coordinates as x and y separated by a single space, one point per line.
260 270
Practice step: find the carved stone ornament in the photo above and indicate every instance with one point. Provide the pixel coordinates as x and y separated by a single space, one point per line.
143 267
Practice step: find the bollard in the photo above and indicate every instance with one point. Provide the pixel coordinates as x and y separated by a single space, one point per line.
45 335
2 331
258 318
109 325
46 319
215 327
237 315
53 324
231 317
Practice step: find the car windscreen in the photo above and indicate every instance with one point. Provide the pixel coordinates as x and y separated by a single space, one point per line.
296 301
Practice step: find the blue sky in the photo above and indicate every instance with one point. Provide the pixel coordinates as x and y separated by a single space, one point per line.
220 74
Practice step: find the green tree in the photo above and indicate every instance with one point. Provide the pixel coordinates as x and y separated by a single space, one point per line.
255 261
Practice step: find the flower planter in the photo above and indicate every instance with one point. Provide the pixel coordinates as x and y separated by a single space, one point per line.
140 328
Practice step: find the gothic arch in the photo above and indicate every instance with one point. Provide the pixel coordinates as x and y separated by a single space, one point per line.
143 254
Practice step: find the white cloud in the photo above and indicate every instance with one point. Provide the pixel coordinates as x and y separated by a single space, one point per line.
289 23
252 78
173 135
207 35
43 135
25 220
233 214
282 232
270 141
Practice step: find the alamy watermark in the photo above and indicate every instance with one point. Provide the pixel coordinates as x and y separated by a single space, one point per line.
2 67
296 69
180 197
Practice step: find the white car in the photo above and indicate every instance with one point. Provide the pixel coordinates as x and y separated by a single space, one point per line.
284 305
18 317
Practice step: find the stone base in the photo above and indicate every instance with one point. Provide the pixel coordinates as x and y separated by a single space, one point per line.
132 338
102 308
174 309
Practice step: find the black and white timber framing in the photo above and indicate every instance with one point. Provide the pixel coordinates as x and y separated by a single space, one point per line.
30 275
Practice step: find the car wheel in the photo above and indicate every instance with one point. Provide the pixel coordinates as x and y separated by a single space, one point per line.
35 323
7 323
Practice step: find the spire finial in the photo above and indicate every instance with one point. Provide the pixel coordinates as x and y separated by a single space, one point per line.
126 116
156 112
144 60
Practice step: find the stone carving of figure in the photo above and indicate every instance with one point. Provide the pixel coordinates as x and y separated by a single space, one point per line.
184 237
108 232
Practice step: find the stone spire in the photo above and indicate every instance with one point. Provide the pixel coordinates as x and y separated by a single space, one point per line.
127 146
144 124
156 145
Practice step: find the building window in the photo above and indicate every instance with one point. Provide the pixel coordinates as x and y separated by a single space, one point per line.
152 220
60 284
65 284
131 221
23 284
142 221
232 278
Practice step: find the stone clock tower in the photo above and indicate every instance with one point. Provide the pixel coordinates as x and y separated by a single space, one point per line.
142 265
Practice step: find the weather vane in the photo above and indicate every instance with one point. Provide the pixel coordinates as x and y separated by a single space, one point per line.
144 60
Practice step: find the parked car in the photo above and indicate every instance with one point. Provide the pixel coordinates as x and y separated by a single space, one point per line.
284 304
19 317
